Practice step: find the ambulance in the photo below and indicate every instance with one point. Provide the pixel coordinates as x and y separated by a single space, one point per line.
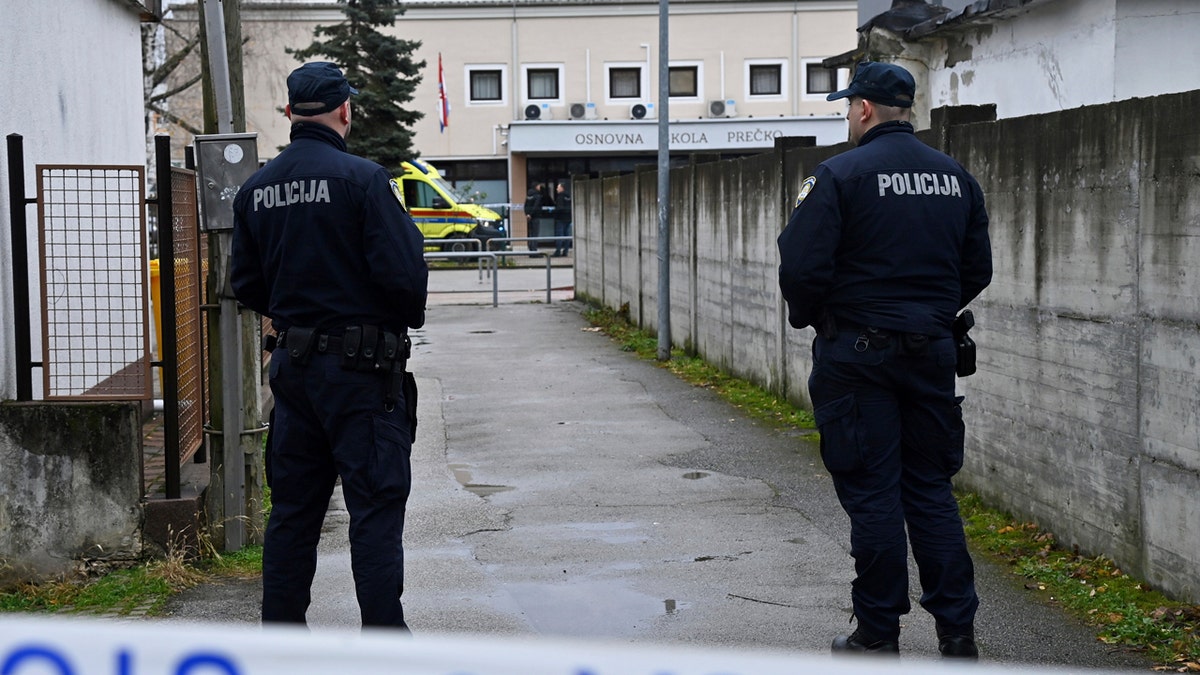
440 212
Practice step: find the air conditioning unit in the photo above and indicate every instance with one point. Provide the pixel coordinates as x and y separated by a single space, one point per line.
583 111
725 108
641 111
535 111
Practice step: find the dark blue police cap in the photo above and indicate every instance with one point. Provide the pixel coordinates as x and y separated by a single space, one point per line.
316 88
883 83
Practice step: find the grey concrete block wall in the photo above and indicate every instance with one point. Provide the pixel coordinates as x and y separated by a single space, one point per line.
1085 414
55 458
681 225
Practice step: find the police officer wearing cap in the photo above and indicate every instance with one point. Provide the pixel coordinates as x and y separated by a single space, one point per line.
323 246
887 242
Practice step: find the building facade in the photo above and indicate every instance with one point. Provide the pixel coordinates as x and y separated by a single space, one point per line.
539 91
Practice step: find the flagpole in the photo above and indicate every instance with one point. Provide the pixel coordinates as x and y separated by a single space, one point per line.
443 102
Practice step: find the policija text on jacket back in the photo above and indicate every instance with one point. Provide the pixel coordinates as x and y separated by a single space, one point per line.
887 242
323 246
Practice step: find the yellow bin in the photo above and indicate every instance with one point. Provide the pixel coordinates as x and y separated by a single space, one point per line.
156 305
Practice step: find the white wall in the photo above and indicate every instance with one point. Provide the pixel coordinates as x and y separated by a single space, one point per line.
1065 54
72 73
1157 46
1057 56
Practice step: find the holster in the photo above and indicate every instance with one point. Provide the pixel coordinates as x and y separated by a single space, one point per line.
964 346
399 380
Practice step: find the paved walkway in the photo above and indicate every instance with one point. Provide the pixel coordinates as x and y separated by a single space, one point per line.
565 488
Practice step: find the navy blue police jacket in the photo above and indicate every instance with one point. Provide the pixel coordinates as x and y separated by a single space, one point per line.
891 234
321 240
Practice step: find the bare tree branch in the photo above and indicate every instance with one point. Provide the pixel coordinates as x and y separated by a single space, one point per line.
171 92
167 68
175 119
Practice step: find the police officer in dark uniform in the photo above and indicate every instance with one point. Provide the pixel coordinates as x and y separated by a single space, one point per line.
887 242
322 245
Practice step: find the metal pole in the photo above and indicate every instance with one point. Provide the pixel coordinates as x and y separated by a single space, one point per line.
495 281
233 472
20 266
218 59
167 356
664 187
547 278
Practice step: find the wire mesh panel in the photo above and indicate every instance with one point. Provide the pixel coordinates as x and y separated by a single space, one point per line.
188 298
95 318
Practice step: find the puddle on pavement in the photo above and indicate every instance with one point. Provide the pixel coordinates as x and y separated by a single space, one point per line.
462 474
695 475
588 607
612 532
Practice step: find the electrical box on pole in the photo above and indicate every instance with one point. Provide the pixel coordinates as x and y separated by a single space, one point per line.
223 163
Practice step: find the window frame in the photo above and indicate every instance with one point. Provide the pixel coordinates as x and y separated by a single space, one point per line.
471 69
751 64
527 99
698 66
643 84
840 77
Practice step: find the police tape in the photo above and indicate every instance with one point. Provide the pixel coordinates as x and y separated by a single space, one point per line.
32 645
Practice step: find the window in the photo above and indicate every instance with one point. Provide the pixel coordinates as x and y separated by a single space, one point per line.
542 84
684 82
624 82
766 80
486 85
418 195
819 79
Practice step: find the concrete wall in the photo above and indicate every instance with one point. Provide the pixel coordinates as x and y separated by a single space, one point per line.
57 457
1083 416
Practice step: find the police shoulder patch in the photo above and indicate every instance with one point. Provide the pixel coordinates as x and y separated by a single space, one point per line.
806 188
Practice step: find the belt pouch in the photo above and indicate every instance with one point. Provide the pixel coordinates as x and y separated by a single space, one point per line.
300 344
369 350
879 339
390 346
351 344
914 344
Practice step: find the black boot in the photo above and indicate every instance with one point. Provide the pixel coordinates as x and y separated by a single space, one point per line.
860 643
958 643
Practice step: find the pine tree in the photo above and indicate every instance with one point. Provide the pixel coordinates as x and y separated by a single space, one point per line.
382 68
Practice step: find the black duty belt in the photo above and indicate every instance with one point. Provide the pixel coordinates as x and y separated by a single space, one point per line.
325 343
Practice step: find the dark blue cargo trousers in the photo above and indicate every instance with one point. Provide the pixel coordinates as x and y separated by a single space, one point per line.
329 422
892 437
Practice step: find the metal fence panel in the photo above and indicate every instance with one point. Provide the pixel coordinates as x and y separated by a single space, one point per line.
189 295
94 277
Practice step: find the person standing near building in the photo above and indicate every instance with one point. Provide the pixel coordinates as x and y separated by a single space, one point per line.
322 246
533 211
562 220
887 242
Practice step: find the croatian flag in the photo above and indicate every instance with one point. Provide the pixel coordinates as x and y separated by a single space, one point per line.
443 102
